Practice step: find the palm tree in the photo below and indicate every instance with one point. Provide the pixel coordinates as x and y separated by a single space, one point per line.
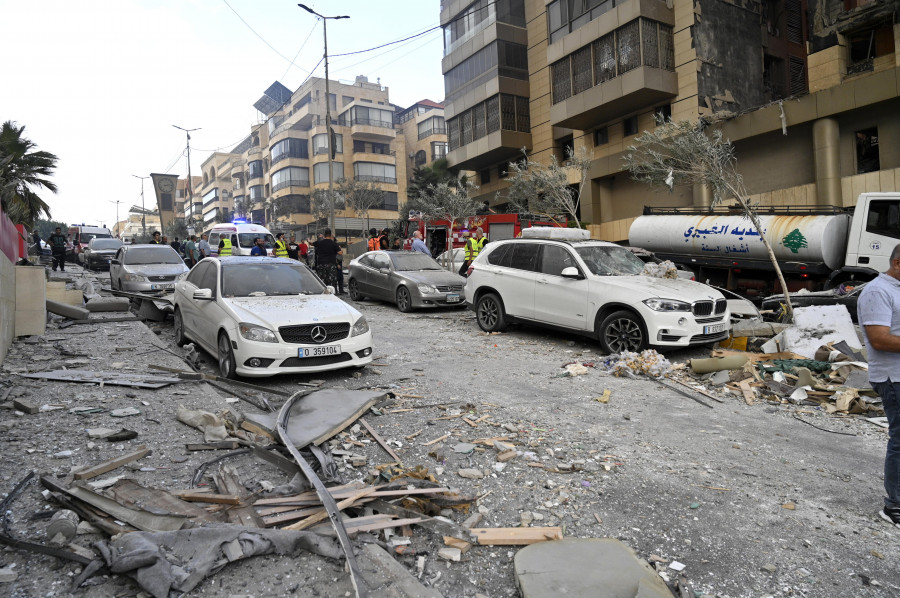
22 169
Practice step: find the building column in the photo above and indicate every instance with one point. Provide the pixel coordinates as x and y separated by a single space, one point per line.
703 195
827 156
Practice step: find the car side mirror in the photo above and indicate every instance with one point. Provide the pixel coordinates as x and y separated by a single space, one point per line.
384 270
116 262
571 272
203 295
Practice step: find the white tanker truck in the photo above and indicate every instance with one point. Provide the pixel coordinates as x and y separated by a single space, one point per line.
816 247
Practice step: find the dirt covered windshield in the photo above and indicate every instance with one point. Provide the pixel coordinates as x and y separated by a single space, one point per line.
411 261
259 280
603 260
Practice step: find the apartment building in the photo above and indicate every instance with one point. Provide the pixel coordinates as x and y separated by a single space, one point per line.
806 89
424 132
271 174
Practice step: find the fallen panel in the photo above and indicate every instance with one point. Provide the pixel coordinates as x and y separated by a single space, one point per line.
139 518
319 415
112 378
586 567
390 579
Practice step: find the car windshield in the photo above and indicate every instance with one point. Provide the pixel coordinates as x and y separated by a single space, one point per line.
144 256
604 260
264 279
86 237
106 244
247 239
408 261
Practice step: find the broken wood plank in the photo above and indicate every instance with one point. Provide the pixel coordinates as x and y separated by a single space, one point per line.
436 440
218 499
92 472
291 501
696 390
381 441
286 516
754 357
457 543
213 446
324 514
414 434
445 528
470 422
749 393
516 536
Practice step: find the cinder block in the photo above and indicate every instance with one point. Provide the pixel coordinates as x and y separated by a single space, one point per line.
31 321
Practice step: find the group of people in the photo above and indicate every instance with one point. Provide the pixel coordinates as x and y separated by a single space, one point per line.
191 250
473 246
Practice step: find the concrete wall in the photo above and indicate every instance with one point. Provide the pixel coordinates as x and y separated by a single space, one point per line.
8 256
775 161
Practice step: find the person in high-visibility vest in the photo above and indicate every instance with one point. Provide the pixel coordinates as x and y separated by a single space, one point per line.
473 248
373 240
225 247
280 246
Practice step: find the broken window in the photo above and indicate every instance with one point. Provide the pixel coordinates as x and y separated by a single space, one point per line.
797 68
508 112
560 80
581 69
867 159
492 106
774 77
628 47
868 44
605 58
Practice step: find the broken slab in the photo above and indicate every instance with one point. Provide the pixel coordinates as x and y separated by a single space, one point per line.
386 578
99 304
815 326
318 416
586 568
70 311
113 378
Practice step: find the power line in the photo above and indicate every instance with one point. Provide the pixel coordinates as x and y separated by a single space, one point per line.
262 38
388 43
303 45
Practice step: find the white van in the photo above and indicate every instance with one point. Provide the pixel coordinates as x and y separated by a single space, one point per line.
242 235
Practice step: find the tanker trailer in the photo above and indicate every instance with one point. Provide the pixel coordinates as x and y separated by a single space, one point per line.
722 246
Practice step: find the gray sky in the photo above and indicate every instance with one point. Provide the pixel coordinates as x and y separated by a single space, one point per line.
100 83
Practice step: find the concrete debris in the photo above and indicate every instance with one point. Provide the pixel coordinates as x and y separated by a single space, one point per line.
630 364
664 269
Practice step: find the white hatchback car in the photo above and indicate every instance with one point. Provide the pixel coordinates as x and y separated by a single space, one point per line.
592 288
262 316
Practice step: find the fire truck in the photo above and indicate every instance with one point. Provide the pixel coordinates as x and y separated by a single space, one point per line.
438 235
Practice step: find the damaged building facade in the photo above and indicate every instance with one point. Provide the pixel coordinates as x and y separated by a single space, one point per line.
806 89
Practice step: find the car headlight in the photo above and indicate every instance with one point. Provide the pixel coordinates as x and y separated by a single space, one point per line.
360 327
129 277
252 332
667 305
426 289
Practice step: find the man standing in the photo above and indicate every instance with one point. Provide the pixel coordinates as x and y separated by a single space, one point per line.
57 243
176 245
293 249
373 244
226 245
303 250
203 246
280 246
259 249
473 248
327 252
384 240
190 251
419 245
879 318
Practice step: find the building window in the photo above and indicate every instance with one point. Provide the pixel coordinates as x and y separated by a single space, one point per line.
373 117
389 201
438 150
255 168
601 136
332 101
868 44
509 58
320 143
374 172
320 172
630 125
432 126
485 176
421 158
370 147
664 112
346 100
503 171
565 16
479 15
867 159
292 176
256 192
503 111
290 148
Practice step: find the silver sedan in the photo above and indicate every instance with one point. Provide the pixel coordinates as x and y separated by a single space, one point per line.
146 269
410 279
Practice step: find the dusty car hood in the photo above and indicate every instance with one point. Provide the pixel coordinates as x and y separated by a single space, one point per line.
156 269
434 277
645 287
274 312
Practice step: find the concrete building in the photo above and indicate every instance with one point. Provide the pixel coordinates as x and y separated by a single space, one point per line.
270 176
424 132
806 89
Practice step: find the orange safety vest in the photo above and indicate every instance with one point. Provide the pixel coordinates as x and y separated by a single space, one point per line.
374 244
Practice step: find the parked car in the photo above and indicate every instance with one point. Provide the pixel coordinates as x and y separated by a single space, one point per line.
146 269
845 294
262 316
740 308
99 252
410 279
592 288
458 255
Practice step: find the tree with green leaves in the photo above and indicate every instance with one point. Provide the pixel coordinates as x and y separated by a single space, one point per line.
22 170
360 197
544 189
45 228
687 153
177 229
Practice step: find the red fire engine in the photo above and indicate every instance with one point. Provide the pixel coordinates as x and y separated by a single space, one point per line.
496 227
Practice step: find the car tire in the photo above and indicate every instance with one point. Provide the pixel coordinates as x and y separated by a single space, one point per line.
490 313
622 331
225 357
180 339
353 287
404 300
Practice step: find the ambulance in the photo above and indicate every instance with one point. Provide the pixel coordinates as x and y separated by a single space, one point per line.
242 235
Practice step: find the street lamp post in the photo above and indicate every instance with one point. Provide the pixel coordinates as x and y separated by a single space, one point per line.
331 221
189 188
118 228
143 209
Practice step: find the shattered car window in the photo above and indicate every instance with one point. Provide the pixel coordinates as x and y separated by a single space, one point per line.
610 261
413 261
259 280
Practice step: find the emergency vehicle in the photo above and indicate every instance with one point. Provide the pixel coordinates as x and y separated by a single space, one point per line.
242 235
81 235
496 227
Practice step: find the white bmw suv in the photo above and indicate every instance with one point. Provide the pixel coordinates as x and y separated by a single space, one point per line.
593 288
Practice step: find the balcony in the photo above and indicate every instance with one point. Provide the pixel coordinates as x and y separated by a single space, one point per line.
489 150
290 183
434 131
365 178
365 128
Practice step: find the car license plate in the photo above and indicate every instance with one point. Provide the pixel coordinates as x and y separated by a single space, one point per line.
160 287
453 298
713 328
323 351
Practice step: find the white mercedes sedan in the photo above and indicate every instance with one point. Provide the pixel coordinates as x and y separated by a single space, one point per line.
262 316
